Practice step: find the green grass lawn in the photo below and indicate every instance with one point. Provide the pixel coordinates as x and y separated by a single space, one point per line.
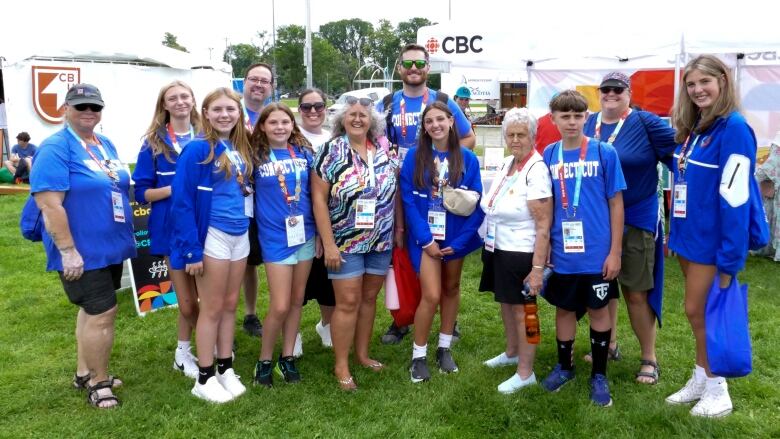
37 349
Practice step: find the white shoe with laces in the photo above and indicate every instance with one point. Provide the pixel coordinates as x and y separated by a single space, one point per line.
185 362
691 392
516 383
298 348
324 333
715 402
230 381
212 391
501 360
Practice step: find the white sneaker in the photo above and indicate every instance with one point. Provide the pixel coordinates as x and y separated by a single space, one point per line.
186 363
212 391
516 383
501 360
691 392
324 332
715 402
230 381
298 348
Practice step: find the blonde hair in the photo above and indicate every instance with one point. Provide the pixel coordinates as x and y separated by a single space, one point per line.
238 135
156 133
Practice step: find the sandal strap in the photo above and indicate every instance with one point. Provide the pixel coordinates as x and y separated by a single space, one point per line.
649 363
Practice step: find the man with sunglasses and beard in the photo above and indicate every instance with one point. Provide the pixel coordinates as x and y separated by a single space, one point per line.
641 140
404 108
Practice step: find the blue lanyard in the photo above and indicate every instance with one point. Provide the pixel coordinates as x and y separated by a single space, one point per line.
280 174
579 170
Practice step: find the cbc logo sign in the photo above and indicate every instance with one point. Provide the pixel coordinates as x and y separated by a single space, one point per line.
456 44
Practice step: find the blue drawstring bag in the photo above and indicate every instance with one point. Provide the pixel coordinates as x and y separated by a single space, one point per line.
727 333
31 221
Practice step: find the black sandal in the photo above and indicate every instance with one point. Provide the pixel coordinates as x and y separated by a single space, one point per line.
653 375
95 399
82 382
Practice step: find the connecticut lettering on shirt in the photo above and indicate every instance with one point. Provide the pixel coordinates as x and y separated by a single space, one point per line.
269 169
590 169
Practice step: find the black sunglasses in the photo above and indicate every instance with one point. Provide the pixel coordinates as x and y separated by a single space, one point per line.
92 107
419 63
616 90
317 106
366 102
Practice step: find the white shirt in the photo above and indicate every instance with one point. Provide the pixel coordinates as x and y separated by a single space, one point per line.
515 227
316 140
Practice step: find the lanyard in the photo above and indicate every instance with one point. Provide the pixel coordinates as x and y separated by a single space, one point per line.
614 134
519 168
403 111
247 120
174 141
103 166
359 167
682 162
443 167
579 170
280 175
230 155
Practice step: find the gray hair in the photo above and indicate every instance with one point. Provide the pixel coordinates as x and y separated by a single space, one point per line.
377 122
520 116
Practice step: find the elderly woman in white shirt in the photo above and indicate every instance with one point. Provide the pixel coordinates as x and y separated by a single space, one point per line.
518 210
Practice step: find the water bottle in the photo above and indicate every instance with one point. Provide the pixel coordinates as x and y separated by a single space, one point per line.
532 333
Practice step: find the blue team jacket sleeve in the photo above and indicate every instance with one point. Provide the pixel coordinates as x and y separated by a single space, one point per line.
416 224
660 134
736 163
184 233
462 124
472 180
144 174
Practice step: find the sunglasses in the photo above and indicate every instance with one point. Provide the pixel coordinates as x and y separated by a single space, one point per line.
366 102
419 63
95 108
317 106
616 90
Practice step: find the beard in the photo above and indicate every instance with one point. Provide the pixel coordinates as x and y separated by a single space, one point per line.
422 75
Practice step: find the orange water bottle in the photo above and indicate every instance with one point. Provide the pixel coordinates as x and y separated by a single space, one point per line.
532 334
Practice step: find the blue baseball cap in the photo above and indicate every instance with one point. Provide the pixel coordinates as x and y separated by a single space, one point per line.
463 92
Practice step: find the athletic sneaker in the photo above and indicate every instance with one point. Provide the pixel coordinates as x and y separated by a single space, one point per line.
599 391
252 325
501 360
230 381
324 333
263 375
445 361
557 378
286 369
298 348
394 334
715 402
185 362
419 370
691 392
516 383
212 391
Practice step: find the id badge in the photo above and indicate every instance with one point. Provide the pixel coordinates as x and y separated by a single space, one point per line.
490 237
249 206
573 237
365 213
437 221
118 207
296 235
402 150
680 207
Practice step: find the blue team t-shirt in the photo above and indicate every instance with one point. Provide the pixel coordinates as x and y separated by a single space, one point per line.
271 208
227 203
602 178
24 153
63 165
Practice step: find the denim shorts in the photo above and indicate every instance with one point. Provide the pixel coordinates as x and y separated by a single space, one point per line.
305 253
358 264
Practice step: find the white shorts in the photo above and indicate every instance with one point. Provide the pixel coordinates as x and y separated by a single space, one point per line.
221 245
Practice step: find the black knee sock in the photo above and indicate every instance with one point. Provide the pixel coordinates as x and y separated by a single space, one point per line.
223 364
564 354
206 372
599 346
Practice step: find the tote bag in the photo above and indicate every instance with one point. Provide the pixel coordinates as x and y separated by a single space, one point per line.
727 333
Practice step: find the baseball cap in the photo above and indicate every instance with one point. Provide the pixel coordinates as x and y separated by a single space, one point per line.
84 94
616 79
463 92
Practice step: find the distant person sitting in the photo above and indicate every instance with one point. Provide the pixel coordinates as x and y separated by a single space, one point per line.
463 98
20 161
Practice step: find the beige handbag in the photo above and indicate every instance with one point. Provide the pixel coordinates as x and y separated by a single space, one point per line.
460 201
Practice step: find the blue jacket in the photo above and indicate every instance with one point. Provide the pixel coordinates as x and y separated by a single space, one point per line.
191 203
461 231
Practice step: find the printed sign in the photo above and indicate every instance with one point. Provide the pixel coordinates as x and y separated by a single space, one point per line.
50 85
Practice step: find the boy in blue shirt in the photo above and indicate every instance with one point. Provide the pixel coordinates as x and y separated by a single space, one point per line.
586 240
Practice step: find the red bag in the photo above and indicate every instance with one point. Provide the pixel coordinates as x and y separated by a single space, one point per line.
408 284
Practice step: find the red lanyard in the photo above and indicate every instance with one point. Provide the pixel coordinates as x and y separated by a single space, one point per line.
519 168
359 167
280 175
564 195
172 136
403 112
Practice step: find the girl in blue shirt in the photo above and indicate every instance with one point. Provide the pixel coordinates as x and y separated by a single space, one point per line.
175 123
213 204
285 226
438 240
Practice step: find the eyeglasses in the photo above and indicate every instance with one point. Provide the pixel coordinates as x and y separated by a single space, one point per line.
95 108
616 90
317 106
366 102
256 80
419 63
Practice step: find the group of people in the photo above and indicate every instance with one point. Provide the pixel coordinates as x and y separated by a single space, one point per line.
329 207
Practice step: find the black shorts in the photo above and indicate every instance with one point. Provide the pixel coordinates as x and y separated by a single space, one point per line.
580 292
255 257
503 273
319 287
95 290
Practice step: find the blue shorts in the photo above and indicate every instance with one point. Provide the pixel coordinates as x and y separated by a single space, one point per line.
358 264
304 253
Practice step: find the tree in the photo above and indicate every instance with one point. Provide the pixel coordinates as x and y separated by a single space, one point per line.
170 40
241 56
289 57
407 30
350 37
331 70
385 44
